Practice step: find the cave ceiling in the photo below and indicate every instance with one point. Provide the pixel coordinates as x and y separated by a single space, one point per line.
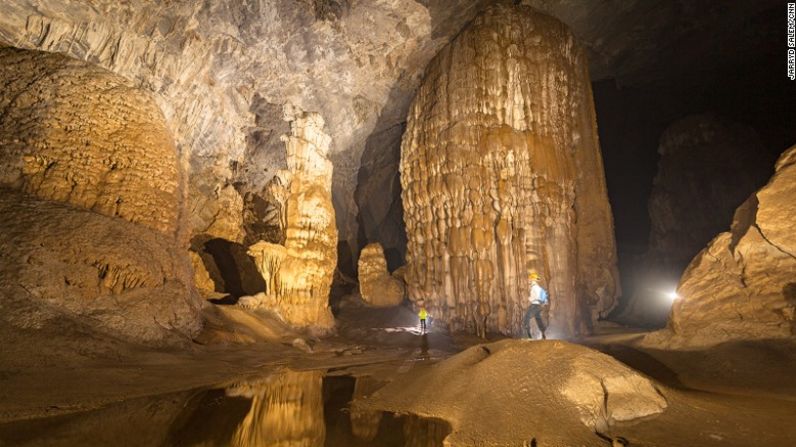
222 71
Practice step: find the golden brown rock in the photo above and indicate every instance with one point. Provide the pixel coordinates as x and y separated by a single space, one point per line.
75 133
286 410
298 274
501 172
61 262
201 276
376 286
742 286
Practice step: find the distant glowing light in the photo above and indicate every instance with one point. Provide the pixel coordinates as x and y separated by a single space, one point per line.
672 295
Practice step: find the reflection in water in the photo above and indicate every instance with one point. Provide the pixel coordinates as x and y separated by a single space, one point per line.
286 411
365 423
420 432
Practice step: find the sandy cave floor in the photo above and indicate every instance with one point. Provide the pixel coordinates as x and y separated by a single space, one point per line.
740 392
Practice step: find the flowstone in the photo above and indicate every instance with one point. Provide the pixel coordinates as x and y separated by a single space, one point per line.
502 173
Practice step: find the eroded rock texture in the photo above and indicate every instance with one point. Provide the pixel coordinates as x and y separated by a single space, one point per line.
743 285
76 133
286 410
61 262
92 203
376 286
501 173
298 274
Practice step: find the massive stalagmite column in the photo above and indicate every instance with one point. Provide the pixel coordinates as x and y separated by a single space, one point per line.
501 173
298 274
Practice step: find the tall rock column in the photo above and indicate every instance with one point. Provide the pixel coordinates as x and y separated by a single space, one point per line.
502 173
298 274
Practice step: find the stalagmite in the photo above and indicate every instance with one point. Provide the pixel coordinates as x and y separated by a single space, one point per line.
376 285
502 173
286 410
298 274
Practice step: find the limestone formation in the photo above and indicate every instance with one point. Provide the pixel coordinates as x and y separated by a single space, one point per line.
743 286
60 262
709 165
75 133
286 410
298 274
501 173
376 286
582 390
201 276
92 203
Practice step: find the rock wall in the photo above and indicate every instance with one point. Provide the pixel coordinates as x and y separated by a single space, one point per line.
501 172
376 286
76 133
742 286
60 262
709 165
298 274
92 218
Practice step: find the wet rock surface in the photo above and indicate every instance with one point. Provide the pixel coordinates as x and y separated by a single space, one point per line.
502 176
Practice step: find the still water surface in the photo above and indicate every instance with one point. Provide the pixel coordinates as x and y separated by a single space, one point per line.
306 409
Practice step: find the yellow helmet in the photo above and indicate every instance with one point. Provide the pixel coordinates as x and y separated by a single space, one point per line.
533 276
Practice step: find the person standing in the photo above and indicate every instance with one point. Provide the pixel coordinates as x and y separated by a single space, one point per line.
423 314
538 298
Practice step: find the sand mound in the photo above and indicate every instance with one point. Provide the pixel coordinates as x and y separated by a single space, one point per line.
515 390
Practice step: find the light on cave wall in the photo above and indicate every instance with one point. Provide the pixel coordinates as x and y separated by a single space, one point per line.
672 295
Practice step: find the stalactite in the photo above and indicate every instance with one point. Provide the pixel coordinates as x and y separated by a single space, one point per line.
502 173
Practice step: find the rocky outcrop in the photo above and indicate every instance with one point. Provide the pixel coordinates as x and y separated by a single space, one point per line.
298 274
376 286
709 165
286 410
61 262
75 133
201 276
502 173
581 389
92 223
742 286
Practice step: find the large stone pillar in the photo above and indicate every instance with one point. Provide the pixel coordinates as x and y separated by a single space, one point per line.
298 274
502 173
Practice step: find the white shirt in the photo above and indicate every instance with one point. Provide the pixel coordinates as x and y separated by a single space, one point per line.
536 294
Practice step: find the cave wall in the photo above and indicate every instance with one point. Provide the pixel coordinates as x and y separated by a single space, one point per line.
741 286
501 173
92 225
708 166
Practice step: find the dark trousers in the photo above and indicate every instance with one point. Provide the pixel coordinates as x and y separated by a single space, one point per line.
535 312
423 325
